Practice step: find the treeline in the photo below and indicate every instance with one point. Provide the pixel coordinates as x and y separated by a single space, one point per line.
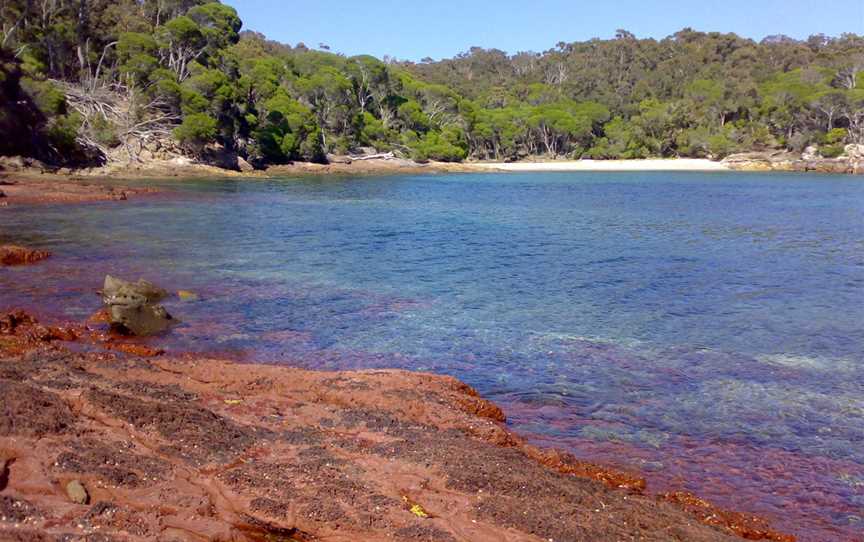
691 94
86 76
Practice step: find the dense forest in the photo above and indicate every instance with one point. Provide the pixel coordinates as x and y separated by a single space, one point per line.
80 79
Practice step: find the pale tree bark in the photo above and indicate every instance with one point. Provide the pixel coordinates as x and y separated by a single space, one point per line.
9 31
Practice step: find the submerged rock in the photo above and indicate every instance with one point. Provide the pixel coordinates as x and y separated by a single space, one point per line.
18 255
77 493
186 295
133 309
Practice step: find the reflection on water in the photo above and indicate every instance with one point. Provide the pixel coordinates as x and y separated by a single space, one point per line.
703 328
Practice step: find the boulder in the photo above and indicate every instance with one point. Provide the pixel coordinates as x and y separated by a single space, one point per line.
77 493
186 295
367 151
12 162
15 163
854 151
244 166
133 307
810 153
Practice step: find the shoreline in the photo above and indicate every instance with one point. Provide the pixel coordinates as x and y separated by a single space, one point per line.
651 164
277 451
37 184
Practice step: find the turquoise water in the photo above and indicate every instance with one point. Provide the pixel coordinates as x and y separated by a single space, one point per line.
704 328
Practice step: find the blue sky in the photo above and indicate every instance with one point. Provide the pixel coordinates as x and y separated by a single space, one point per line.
442 28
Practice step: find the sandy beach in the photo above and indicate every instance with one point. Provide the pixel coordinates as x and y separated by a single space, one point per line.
678 164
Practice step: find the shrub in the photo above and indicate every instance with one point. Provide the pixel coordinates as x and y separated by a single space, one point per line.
104 132
62 132
196 131
832 151
436 146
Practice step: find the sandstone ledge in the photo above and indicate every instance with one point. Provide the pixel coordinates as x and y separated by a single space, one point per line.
783 161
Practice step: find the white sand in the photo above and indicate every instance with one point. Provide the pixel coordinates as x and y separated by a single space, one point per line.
677 164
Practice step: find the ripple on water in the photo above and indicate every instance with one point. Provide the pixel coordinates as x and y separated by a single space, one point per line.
706 329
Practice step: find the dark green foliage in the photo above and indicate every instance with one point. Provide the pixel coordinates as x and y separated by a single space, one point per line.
20 117
288 131
196 131
832 151
35 116
446 146
692 94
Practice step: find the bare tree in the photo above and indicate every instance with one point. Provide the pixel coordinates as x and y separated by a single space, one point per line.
9 31
830 105
847 77
854 112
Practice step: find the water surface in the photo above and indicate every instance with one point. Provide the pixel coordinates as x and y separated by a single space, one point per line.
704 328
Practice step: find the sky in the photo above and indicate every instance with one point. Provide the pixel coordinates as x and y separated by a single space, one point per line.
412 30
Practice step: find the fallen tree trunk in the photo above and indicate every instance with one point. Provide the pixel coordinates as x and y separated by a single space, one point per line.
381 156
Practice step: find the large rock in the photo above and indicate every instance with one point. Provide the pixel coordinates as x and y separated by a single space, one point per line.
826 165
854 151
244 166
810 153
77 493
15 163
133 307
785 161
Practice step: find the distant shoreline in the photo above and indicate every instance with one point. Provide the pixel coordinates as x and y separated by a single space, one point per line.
40 183
657 164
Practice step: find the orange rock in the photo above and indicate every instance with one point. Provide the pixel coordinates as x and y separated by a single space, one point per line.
100 317
18 255
746 526
135 349
63 334
13 320
566 463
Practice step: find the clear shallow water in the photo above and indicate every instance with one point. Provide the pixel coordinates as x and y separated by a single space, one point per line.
706 329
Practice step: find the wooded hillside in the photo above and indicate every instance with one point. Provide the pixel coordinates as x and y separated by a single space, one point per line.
84 80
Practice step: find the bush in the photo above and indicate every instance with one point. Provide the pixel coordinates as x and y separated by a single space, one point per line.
436 146
47 97
835 136
832 151
720 146
288 131
374 134
694 142
62 132
196 131
104 132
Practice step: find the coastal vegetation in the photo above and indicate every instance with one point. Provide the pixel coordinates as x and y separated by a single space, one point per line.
90 80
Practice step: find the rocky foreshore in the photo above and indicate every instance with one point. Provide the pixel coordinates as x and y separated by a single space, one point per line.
100 446
851 162
24 182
